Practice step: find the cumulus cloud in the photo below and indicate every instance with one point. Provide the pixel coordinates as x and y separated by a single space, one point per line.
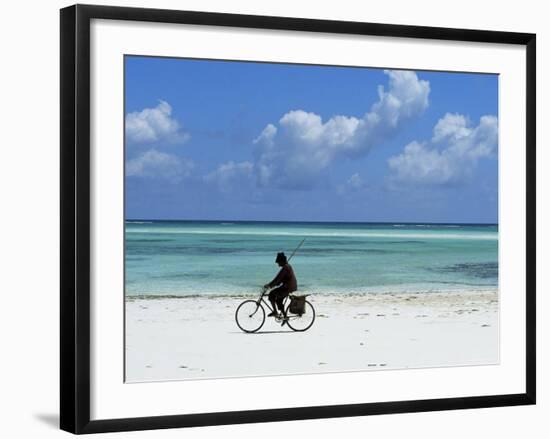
229 173
267 135
158 164
452 154
153 125
295 152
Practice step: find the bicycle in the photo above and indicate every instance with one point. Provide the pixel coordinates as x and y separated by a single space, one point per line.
250 314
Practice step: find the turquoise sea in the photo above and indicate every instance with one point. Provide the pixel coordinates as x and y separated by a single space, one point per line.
181 258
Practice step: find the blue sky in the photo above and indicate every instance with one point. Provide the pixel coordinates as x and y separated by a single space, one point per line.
257 141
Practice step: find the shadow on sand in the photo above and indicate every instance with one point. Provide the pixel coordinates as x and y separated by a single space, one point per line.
282 331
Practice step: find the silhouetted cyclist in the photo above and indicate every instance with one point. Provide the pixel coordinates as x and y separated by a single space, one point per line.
286 283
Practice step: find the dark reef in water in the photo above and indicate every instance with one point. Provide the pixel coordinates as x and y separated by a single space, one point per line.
482 270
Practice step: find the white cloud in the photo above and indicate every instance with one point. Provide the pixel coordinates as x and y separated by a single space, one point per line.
295 153
451 156
267 135
154 125
451 126
158 164
230 172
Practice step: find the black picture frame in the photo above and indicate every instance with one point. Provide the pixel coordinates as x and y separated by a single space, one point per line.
75 217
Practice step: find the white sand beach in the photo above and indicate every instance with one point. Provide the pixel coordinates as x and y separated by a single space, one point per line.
196 337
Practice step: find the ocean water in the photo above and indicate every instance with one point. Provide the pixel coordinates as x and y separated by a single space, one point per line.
233 258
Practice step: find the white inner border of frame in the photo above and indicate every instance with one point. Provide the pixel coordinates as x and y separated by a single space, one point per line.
112 398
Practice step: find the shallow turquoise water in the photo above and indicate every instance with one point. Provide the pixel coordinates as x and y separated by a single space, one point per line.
208 257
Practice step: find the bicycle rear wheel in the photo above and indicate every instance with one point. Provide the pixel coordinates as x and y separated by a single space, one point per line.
302 322
250 316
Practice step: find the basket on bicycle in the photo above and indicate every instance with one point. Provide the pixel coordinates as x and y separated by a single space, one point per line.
297 305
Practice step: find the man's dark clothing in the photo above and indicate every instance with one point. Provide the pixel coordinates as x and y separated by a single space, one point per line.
288 284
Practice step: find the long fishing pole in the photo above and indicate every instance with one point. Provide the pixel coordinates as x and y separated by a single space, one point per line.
296 249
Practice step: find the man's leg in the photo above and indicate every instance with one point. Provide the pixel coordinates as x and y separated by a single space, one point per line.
281 300
272 299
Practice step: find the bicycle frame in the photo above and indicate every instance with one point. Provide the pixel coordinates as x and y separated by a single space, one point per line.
261 300
265 302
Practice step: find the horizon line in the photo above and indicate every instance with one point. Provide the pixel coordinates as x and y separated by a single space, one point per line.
316 222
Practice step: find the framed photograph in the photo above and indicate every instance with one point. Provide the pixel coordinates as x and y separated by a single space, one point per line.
275 218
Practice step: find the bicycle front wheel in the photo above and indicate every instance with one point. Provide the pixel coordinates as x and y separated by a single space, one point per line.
250 316
301 322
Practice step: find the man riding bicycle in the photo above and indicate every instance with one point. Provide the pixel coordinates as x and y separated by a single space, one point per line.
286 283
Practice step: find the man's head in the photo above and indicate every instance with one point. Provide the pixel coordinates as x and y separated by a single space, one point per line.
281 259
